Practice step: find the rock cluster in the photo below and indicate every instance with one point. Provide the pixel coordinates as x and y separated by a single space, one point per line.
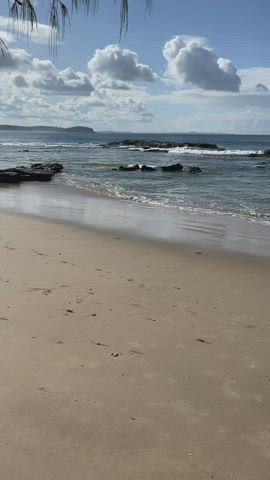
37 172
175 167
155 146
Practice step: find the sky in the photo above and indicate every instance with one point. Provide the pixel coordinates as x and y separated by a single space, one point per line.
192 65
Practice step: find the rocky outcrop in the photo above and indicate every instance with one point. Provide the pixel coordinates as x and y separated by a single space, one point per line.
156 146
146 168
176 167
37 172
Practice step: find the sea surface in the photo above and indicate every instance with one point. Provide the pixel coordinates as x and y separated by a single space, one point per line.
231 183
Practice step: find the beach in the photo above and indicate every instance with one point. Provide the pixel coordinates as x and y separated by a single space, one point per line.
123 357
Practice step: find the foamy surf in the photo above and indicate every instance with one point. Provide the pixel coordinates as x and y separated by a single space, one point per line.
200 151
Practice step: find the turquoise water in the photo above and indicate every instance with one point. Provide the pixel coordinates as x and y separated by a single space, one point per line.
231 183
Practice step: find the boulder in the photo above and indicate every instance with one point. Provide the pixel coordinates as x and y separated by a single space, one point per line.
146 168
192 170
177 167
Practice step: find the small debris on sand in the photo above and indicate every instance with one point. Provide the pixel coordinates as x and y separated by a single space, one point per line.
99 344
202 341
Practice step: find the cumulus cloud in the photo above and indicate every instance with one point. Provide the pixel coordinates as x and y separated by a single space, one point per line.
43 75
190 61
113 63
260 87
59 82
19 81
16 58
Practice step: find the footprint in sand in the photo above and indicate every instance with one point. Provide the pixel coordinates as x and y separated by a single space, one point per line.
230 390
135 351
7 247
44 291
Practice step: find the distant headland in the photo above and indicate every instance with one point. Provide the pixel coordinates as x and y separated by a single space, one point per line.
45 128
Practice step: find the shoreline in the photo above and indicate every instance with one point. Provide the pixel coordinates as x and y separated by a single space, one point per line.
103 214
127 358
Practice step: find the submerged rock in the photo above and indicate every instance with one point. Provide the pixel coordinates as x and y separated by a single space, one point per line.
193 170
132 168
146 168
52 167
155 145
176 167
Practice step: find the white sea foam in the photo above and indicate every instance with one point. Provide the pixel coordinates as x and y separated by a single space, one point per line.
117 192
201 151
50 145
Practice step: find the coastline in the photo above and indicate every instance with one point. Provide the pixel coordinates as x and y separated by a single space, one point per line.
220 233
122 357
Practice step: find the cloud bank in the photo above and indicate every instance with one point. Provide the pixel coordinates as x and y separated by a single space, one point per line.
198 89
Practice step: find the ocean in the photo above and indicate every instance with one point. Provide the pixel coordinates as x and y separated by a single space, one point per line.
231 183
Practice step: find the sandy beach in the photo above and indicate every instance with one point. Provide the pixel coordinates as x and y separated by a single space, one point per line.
127 359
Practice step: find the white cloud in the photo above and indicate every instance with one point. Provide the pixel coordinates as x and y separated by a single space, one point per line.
253 76
260 87
43 75
31 88
61 82
16 58
115 64
40 34
189 61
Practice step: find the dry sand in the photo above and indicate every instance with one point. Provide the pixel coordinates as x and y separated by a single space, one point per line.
123 359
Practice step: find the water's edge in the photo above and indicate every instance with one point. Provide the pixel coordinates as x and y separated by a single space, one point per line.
225 234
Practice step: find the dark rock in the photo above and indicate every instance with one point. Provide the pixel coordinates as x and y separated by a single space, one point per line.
156 145
9 177
37 172
145 168
133 168
52 167
177 167
192 170
33 176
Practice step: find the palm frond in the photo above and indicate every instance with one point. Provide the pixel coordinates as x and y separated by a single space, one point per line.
3 47
149 4
65 16
123 16
24 11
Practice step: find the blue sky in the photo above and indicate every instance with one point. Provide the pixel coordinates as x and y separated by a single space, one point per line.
187 88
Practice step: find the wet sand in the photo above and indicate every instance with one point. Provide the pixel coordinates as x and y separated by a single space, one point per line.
124 358
218 232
